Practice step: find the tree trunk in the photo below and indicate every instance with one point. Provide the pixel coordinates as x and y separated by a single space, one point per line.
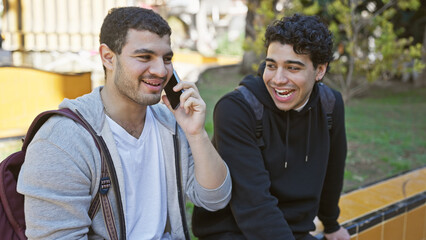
420 80
249 57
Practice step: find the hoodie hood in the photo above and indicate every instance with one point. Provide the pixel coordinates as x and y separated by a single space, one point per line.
90 107
256 85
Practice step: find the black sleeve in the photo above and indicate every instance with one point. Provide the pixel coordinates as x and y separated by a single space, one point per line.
329 210
254 208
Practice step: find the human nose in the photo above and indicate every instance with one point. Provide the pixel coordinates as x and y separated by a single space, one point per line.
280 77
158 68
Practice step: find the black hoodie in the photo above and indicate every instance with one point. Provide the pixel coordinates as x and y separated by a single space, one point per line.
279 189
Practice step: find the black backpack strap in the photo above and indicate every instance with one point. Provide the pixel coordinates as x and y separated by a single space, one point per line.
108 174
328 100
181 198
257 108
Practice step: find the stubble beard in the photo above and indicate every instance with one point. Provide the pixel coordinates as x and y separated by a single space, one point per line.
125 86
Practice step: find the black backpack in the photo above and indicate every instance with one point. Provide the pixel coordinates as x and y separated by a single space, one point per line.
327 100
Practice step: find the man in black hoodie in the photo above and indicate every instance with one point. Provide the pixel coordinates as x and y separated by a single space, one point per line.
297 172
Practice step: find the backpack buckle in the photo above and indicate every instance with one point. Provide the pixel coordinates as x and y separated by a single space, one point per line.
104 185
329 121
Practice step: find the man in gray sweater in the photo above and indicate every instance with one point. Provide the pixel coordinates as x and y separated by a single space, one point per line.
62 168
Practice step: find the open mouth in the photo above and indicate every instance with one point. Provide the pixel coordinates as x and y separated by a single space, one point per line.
283 93
155 84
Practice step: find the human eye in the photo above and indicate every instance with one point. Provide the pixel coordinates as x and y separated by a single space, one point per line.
167 59
293 68
270 65
144 57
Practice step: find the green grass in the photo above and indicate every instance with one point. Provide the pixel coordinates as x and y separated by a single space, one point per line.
386 134
213 84
227 47
9 146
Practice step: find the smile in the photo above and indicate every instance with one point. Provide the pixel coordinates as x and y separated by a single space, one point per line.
284 93
151 83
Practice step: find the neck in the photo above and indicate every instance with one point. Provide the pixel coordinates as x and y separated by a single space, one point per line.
128 115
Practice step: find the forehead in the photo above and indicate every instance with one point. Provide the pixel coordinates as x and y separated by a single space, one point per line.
284 52
144 39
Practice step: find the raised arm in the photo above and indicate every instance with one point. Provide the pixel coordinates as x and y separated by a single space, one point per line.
210 169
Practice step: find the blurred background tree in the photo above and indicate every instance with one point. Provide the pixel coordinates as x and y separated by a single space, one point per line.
370 47
371 43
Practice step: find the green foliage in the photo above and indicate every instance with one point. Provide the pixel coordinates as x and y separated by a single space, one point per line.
312 9
368 45
409 4
227 47
266 13
373 48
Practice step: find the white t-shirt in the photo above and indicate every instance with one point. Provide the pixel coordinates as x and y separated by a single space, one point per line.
145 180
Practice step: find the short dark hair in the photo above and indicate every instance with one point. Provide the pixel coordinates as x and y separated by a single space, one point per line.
119 20
307 34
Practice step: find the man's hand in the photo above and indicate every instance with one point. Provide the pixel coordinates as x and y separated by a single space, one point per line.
191 113
341 234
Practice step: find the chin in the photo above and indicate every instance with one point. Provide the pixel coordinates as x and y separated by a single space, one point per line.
148 99
281 106
285 109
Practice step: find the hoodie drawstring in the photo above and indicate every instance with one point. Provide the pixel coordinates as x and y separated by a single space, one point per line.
308 146
309 135
286 139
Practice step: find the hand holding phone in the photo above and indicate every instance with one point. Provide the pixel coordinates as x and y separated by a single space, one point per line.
174 97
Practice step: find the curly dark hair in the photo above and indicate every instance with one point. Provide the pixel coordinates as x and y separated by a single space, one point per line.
119 20
307 34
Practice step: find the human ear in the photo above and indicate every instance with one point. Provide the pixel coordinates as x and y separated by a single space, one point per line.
107 56
321 69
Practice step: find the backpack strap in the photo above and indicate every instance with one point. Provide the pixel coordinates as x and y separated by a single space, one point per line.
257 108
108 174
108 178
181 198
328 100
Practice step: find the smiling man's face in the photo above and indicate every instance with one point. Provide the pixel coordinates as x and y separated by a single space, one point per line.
143 67
290 77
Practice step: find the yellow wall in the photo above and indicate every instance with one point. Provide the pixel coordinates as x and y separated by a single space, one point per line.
25 92
408 224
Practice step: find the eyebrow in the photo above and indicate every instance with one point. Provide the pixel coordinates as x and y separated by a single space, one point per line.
288 61
144 50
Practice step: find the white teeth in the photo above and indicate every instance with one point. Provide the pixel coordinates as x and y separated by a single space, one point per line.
283 93
151 83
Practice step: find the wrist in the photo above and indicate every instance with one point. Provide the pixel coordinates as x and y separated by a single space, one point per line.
332 228
199 136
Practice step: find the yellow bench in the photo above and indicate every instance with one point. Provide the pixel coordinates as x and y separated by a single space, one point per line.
25 92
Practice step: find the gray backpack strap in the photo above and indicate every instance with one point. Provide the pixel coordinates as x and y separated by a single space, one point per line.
327 99
257 108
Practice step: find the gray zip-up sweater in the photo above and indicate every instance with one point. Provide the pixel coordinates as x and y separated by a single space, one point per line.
62 170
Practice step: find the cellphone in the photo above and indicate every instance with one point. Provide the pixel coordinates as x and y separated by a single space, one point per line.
174 97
